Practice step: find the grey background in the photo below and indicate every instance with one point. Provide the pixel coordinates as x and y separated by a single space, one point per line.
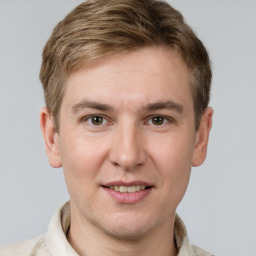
219 208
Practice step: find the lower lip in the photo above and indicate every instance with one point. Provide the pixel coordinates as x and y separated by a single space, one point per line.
128 198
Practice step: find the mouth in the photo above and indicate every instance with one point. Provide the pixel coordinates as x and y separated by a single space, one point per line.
128 192
128 189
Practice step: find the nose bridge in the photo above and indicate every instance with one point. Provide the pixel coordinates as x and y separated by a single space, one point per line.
127 149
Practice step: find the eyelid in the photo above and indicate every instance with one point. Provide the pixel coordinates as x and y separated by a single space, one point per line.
87 117
169 119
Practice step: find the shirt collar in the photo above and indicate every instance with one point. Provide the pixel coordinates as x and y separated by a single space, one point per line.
56 239
58 244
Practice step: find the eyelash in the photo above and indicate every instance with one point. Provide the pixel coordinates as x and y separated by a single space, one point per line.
163 120
149 119
90 117
166 120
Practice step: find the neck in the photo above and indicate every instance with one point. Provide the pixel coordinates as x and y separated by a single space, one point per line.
88 240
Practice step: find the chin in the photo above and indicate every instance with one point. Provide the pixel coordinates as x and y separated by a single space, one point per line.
127 233
123 227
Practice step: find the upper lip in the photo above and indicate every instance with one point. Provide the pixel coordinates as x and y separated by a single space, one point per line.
127 184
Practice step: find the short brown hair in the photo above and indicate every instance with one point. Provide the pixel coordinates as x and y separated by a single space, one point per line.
97 28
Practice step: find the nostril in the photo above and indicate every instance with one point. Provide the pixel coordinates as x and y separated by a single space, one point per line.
127 158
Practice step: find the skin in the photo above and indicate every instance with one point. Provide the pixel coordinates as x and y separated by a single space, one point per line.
144 131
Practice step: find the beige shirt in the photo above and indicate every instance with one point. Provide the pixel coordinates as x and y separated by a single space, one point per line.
55 243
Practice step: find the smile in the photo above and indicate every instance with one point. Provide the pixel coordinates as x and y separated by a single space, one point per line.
128 192
127 189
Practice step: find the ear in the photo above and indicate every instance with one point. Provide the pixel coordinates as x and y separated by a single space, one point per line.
202 137
51 138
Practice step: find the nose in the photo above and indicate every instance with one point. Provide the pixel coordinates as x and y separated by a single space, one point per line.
128 148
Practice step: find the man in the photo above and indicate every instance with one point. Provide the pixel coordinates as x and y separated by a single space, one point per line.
126 86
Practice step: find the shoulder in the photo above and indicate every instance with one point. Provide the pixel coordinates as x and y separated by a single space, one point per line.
200 252
33 247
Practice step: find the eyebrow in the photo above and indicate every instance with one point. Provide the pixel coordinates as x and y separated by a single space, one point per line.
165 105
105 107
90 104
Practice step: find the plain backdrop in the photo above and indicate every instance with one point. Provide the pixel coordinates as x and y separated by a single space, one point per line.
219 208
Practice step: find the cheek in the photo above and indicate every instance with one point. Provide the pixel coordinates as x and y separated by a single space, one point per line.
173 159
80 166
81 153
173 152
82 159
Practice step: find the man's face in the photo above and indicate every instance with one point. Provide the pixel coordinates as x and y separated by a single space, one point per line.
127 141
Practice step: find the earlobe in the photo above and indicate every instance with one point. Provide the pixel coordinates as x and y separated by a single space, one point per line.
51 138
202 137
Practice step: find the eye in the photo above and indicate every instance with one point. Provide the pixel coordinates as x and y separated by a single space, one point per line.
158 120
96 120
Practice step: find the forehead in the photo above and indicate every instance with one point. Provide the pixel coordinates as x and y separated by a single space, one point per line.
140 77
155 59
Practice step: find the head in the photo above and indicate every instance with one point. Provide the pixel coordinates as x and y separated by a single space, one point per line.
98 28
126 87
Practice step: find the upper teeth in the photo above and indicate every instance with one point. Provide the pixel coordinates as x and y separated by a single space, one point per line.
127 189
